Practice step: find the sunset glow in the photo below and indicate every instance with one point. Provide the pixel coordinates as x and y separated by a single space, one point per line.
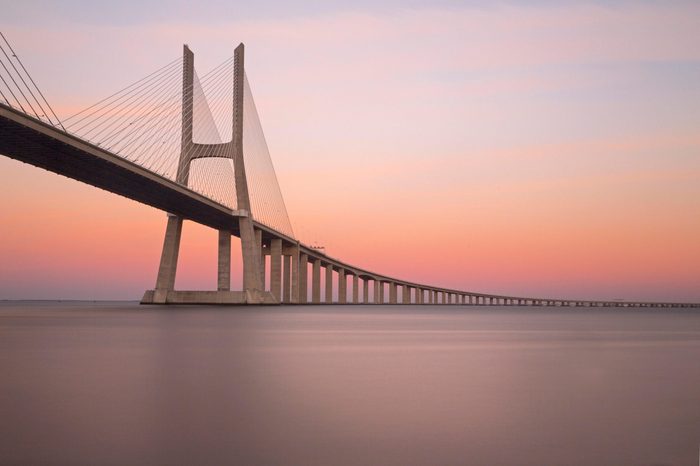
548 150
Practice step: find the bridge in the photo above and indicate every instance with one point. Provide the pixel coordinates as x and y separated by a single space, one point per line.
194 148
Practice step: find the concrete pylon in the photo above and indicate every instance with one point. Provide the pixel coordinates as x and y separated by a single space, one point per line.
316 282
405 295
286 278
342 287
253 284
355 289
392 293
276 268
303 270
294 266
168 259
224 265
329 284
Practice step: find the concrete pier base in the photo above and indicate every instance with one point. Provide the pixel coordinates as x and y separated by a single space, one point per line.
208 297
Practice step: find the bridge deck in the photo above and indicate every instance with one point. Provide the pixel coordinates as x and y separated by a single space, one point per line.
32 141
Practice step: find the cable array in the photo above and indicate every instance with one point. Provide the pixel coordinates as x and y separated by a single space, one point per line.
143 123
18 89
266 198
140 123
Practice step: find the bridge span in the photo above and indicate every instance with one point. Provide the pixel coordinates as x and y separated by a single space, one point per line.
295 269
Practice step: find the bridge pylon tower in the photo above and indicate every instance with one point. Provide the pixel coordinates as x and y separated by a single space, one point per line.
253 287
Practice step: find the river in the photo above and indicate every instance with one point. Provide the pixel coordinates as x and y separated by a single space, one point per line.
118 383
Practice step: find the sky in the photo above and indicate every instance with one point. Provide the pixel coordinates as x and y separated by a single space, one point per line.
545 148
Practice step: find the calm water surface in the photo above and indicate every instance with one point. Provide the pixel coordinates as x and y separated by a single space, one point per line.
116 383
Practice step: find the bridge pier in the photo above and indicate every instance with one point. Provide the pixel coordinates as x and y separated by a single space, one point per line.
405 294
276 268
224 265
260 248
316 282
303 271
355 289
329 284
342 286
392 293
168 259
286 278
365 290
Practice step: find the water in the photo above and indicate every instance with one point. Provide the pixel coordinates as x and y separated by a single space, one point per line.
116 383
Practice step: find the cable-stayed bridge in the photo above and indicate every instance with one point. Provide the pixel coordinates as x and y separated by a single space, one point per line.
193 146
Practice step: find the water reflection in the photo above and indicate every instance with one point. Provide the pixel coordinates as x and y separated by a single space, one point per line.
120 384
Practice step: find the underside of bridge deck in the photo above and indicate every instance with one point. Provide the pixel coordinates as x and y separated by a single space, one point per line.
31 141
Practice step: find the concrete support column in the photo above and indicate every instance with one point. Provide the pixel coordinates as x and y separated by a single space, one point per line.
168 259
329 284
378 295
286 278
419 295
294 285
303 289
261 256
276 268
405 295
365 290
316 282
355 289
224 262
392 293
342 287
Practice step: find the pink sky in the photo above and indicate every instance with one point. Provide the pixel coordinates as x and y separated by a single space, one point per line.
548 150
